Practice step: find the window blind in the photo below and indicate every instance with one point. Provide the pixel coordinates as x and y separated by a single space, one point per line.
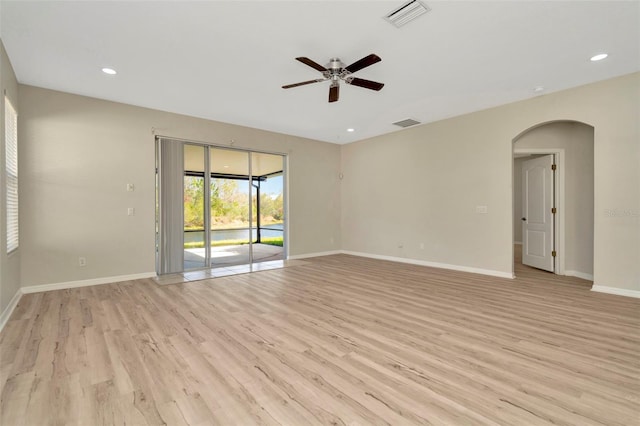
171 206
11 158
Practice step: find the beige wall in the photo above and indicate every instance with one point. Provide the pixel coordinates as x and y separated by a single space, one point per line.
9 265
576 139
78 155
423 184
420 185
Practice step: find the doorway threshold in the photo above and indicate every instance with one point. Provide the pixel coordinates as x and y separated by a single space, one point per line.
207 274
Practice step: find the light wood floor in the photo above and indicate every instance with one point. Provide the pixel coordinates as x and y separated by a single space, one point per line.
338 340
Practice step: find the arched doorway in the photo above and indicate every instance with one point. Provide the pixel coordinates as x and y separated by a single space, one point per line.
570 144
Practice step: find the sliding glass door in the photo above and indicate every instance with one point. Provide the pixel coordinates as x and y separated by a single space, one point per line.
232 207
194 194
267 203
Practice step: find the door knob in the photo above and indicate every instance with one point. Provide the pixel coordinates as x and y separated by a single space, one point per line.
523 219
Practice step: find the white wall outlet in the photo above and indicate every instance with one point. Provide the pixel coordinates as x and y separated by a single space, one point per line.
130 187
131 211
82 261
421 246
400 245
481 209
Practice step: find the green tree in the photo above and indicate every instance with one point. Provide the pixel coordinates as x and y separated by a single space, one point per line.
193 202
229 204
271 208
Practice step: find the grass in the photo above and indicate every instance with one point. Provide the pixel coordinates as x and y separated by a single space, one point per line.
274 241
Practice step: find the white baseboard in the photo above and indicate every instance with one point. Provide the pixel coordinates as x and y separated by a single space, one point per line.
86 283
433 264
584 276
322 253
6 314
615 290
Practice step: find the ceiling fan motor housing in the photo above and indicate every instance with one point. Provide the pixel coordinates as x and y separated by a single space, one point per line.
335 64
335 70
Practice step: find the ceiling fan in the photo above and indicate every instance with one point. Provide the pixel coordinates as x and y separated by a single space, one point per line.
336 71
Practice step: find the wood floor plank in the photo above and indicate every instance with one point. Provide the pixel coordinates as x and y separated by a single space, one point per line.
335 340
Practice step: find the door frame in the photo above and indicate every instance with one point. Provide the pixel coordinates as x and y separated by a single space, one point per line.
231 146
558 191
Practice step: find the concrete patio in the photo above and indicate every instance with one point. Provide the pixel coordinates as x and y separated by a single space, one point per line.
225 256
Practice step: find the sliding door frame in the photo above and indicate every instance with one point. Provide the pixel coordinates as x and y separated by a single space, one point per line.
207 196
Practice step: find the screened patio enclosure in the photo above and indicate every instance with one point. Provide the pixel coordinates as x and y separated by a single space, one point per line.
218 207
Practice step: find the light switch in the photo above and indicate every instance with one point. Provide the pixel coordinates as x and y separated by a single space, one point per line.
131 211
481 209
130 187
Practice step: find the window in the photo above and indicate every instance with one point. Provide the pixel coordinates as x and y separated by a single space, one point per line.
11 158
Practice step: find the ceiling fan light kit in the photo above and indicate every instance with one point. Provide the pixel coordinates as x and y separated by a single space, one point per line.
335 71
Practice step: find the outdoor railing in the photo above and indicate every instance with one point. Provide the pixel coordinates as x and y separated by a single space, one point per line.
195 237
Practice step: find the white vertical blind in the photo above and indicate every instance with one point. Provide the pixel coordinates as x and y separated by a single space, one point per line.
11 158
171 203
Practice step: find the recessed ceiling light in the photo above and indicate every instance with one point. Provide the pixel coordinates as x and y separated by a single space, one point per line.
109 71
225 166
598 57
351 130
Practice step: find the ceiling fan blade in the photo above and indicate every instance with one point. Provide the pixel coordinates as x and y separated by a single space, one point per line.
311 63
367 84
302 83
363 63
334 92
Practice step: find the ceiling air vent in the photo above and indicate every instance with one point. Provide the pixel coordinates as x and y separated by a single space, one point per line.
406 13
406 122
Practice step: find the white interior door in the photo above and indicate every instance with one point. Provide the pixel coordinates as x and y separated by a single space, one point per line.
537 220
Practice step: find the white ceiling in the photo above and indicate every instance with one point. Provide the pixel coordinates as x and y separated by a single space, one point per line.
227 60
